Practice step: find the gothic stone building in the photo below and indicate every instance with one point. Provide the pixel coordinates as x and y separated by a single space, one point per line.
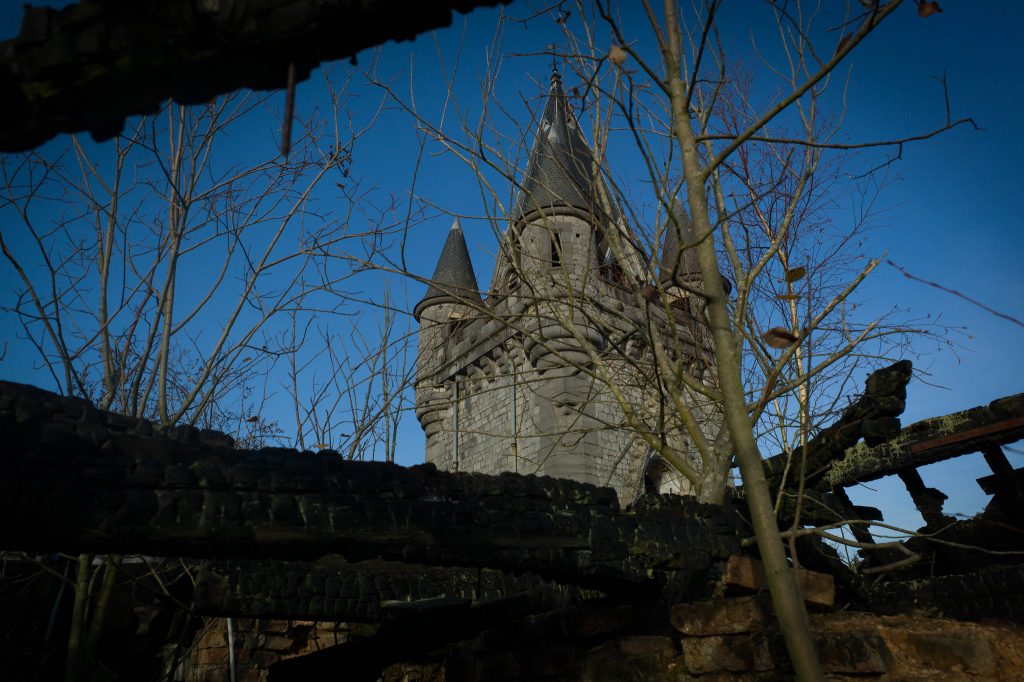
538 376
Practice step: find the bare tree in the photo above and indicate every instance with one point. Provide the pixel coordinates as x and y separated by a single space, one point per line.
176 275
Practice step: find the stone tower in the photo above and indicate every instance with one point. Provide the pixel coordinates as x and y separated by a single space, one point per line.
508 382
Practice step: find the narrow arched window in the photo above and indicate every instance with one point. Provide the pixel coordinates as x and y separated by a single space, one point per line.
556 250
656 477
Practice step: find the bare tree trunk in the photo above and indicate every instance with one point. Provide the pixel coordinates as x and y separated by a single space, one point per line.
73 663
99 617
785 593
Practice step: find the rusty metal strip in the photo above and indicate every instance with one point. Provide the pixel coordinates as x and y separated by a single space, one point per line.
970 434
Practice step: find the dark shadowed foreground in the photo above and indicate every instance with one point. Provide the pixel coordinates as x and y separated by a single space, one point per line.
328 565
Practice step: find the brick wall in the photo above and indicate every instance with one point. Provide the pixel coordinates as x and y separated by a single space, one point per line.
259 643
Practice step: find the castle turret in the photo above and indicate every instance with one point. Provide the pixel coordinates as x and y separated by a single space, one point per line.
678 271
508 384
678 259
454 281
568 241
566 236
451 302
561 173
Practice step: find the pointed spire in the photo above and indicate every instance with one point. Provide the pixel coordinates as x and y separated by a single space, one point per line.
561 171
678 232
453 277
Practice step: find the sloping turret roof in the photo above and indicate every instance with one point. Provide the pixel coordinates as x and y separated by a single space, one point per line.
453 276
561 171
678 231
677 266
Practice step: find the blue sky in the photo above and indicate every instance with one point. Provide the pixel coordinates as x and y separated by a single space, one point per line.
949 214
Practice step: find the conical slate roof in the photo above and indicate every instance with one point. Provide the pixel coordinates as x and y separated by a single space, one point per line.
561 171
678 230
453 276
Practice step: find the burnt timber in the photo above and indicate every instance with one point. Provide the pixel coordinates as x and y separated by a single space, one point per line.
932 440
277 533
77 479
88 66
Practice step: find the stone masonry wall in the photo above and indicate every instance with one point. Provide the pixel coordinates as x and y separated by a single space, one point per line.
565 426
732 640
521 354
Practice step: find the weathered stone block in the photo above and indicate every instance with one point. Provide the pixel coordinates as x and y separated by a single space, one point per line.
857 653
719 616
653 646
277 642
629 658
265 659
919 648
747 573
213 655
252 640
219 673
726 653
965 652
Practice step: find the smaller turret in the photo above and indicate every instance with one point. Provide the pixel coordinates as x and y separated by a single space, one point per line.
454 280
678 272
678 257
452 299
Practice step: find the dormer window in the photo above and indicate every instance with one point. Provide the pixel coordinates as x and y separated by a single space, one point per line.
456 323
607 265
604 252
456 329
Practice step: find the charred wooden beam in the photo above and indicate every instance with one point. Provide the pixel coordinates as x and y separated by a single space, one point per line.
874 416
77 479
932 440
927 500
1006 484
88 66
367 591
983 592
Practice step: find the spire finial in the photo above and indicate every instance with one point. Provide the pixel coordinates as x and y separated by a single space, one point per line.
555 76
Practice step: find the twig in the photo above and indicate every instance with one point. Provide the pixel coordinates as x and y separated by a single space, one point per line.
956 293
